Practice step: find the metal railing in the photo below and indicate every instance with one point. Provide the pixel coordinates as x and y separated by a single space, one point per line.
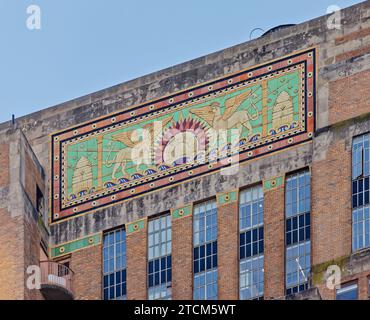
56 274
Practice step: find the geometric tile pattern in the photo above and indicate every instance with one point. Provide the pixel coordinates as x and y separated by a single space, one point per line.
75 245
187 134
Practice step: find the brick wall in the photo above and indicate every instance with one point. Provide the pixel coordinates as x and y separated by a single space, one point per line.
19 234
11 257
274 227
331 205
87 267
4 165
182 258
228 258
360 278
349 97
136 250
31 249
32 179
363 283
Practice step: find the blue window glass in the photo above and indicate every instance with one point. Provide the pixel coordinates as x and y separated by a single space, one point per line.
361 228
360 192
114 265
361 157
347 292
205 251
297 232
251 243
205 285
159 258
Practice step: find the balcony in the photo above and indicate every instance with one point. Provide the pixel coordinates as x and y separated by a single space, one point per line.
56 281
309 294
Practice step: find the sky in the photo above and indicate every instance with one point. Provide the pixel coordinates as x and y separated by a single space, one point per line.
84 46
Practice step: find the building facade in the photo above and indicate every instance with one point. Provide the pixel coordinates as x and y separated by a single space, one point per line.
243 174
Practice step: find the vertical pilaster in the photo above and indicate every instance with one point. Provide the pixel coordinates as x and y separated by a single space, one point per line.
363 287
136 248
87 267
228 266
182 253
274 225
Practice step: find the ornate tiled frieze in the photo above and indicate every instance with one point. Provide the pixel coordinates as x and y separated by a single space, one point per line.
227 197
186 135
75 245
273 183
136 226
181 212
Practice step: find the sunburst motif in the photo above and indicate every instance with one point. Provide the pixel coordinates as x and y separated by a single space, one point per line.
184 131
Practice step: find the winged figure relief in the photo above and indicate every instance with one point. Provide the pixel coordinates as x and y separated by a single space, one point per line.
129 139
232 117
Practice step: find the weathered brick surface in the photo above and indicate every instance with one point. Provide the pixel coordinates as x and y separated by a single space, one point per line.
353 53
352 36
182 258
87 267
136 250
11 260
360 278
331 205
349 97
32 179
20 242
4 165
228 266
32 248
274 226
363 285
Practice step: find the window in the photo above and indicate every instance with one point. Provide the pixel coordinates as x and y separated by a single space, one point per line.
205 251
159 258
347 292
251 244
63 267
114 265
360 228
360 192
297 232
361 156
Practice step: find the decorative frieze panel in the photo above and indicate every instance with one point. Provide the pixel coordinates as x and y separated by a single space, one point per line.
136 226
186 135
182 212
274 183
75 245
227 197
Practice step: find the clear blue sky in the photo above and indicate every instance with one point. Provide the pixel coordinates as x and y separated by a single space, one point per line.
87 45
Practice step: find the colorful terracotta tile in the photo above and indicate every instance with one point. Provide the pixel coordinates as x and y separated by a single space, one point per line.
190 133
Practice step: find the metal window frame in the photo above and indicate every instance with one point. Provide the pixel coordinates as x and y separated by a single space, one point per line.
306 283
204 273
108 232
359 140
167 227
260 196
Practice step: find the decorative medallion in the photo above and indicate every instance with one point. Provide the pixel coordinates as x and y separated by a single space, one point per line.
274 183
181 212
135 226
227 198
